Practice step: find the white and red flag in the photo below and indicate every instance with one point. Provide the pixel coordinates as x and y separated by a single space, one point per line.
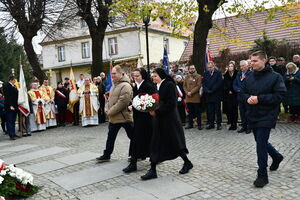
23 103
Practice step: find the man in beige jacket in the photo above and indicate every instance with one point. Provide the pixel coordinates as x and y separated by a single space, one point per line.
120 96
192 85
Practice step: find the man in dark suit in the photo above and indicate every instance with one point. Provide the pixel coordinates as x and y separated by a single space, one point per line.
212 84
11 106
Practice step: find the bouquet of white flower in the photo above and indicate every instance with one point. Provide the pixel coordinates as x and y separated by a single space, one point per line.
145 102
11 175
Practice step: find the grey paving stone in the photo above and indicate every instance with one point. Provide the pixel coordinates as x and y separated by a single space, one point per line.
123 193
85 177
34 155
9 150
165 188
78 158
115 166
45 167
4 144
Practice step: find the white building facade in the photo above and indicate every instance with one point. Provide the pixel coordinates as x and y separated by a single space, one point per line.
73 48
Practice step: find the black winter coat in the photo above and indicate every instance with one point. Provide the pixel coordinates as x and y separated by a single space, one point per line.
142 134
168 140
270 89
212 86
60 101
11 96
229 99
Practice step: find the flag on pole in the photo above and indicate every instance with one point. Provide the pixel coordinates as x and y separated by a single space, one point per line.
73 96
109 80
139 63
208 58
166 61
23 103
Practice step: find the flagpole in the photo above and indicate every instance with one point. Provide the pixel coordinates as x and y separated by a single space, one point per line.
21 115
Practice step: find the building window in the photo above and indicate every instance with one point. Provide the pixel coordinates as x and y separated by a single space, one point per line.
112 46
166 45
83 24
85 49
61 53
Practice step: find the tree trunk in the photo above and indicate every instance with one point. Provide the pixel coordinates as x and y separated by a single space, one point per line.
33 59
97 53
200 43
203 24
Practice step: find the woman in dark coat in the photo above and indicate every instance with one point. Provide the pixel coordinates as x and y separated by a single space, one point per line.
230 97
61 99
140 143
168 140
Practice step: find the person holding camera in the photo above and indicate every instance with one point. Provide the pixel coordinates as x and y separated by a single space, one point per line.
37 115
88 103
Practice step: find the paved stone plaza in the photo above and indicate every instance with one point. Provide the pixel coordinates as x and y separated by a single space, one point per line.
63 162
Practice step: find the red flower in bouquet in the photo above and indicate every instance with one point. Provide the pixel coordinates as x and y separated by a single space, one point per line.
21 187
2 165
155 97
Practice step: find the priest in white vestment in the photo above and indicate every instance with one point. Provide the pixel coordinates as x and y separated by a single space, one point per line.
37 115
49 103
88 104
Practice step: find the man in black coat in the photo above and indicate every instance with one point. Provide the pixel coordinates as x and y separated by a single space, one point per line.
212 84
263 91
61 101
11 106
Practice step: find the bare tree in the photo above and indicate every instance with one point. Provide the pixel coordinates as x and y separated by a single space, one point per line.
96 15
28 17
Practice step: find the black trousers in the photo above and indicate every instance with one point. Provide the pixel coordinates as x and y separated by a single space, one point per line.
232 109
101 113
181 111
3 120
76 113
243 109
113 130
62 112
214 109
194 111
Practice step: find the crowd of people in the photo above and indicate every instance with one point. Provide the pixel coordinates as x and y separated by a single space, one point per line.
256 90
50 107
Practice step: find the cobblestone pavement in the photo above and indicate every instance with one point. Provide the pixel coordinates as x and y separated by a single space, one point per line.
224 162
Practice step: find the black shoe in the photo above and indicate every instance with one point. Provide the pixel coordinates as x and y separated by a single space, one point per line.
186 167
103 158
29 134
25 135
16 136
232 128
12 138
130 168
189 127
200 128
242 130
210 127
261 181
248 131
219 127
151 174
276 162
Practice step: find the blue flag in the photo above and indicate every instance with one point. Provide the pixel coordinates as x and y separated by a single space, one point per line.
166 61
109 80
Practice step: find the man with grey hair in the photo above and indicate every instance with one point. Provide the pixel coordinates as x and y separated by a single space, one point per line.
237 83
120 96
296 60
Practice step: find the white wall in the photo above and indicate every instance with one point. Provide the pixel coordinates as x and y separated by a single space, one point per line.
156 47
128 45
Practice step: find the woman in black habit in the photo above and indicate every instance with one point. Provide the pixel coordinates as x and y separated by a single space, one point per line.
168 140
140 143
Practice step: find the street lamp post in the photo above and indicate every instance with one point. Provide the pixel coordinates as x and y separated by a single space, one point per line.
146 20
